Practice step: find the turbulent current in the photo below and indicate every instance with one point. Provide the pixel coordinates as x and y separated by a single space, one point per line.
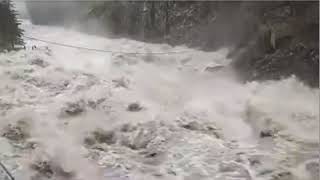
74 114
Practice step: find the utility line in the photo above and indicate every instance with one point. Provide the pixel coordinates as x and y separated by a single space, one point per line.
101 50
6 171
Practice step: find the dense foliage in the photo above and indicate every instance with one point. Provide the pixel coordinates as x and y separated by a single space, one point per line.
10 33
142 19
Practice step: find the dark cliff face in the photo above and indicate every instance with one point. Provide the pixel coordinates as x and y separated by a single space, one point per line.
287 44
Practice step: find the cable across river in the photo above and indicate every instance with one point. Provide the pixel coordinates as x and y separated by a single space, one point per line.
102 50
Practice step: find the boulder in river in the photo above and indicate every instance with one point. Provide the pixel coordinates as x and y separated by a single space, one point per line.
283 175
100 136
266 133
214 68
134 107
39 62
16 132
73 109
50 170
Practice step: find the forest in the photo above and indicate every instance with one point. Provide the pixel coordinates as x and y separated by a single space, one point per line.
10 32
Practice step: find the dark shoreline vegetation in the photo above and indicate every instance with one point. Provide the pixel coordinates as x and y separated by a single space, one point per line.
269 40
10 33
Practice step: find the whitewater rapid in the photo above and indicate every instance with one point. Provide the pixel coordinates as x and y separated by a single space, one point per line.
191 124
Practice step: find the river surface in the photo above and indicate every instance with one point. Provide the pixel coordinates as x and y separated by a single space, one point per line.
74 114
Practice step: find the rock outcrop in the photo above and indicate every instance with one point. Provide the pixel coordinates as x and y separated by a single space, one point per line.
287 44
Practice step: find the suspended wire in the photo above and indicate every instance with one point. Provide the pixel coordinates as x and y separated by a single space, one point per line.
101 50
6 171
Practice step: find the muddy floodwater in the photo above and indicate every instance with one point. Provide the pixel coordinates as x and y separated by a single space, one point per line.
74 114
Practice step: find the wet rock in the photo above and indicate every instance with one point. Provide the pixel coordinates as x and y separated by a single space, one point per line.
158 174
266 133
171 172
214 131
301 62
95 103
194 126
39 62
121 82
213 68
73 109
102 136
66 83
37 81
127 128
134 107
151 155
89 141
50 170
283 175
31 145
43 168
287 44
265 172
139 139
17 132
242 172
254 161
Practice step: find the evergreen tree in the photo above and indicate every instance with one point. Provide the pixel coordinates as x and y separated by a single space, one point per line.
10 33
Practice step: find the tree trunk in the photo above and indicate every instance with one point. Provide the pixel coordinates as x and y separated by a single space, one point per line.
152 16
167 24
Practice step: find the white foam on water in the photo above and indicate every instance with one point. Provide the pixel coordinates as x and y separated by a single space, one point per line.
202 125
